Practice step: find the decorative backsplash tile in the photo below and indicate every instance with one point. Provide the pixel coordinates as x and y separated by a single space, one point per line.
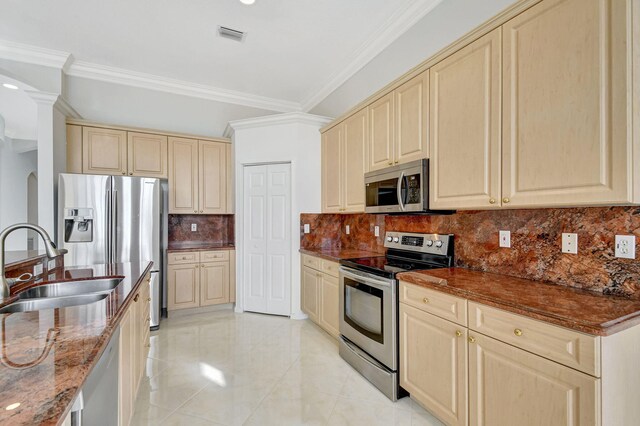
535 242
211 228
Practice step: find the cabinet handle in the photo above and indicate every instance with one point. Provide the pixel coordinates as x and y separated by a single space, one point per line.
492 201
517 332
184 257
472 339
135 299
506 200
425 300
458 333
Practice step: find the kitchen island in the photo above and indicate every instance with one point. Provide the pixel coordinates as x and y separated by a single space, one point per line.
47 355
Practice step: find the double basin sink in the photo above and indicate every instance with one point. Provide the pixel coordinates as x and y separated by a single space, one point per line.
62 295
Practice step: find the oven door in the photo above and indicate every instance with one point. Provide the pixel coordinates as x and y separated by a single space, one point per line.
368 314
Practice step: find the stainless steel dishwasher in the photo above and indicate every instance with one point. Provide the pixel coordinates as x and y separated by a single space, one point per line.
97 403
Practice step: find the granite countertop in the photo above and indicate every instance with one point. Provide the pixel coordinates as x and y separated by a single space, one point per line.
336 255
46 389
580 310
200 246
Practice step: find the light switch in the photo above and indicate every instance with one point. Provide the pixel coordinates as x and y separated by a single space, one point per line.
505 238
307 228
626 246
570 243
194 227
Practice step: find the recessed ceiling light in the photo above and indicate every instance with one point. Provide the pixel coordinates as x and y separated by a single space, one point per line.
247 1
10 86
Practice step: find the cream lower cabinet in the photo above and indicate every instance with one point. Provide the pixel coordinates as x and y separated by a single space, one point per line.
198 279
134 348
320 292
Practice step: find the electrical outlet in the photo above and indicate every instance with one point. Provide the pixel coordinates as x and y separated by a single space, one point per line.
626 246
505 239
194 227
376 231
307 228
38 269
570 243
347 230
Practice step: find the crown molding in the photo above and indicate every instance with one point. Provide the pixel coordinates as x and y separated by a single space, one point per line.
66 108
394 27
36 55
179 87
46 98
276 119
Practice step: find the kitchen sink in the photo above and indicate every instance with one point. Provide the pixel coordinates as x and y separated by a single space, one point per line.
52 303
70 288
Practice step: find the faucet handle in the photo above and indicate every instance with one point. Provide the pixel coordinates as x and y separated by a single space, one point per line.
26 277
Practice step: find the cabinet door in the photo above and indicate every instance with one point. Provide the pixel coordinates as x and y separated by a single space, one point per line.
310 284
214 283
213 177
565 105
411 118
465 127
355 163
509 386
104 151
381 133
147 155
74 148
183 286
332 170
125 378
433 363
329 293
136 342
183 175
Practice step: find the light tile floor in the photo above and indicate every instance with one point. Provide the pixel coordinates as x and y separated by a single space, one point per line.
233 369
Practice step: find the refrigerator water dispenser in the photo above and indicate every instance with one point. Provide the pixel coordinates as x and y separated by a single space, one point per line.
78 225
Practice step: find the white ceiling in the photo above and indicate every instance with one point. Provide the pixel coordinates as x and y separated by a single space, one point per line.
19 111
295 50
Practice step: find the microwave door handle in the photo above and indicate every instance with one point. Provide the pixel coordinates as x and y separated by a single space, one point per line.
399 191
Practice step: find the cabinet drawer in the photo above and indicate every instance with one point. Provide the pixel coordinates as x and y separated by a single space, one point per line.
214 256
330 268
568 347
441 304
311 262
183 257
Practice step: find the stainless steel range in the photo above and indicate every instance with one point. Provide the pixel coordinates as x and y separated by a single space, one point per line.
369 303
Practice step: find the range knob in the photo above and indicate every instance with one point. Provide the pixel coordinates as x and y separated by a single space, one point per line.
396 239
389 239
429 243
438 243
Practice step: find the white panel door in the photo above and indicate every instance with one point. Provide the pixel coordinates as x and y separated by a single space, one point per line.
267 239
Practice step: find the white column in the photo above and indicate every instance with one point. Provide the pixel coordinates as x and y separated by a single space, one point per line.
52 157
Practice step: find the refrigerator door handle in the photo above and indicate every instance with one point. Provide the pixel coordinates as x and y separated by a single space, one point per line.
108 232
114 227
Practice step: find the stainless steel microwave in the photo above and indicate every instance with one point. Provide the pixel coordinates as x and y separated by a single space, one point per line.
399 189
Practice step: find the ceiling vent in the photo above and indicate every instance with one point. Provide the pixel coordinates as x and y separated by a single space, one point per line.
231 33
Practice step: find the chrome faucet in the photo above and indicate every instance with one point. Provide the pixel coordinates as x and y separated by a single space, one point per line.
51 249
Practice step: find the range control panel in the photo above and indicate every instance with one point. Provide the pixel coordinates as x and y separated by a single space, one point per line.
422 243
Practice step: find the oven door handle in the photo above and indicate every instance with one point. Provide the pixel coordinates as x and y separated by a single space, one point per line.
399 191
379 284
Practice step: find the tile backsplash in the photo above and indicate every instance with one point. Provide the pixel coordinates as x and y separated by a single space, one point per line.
535 251
211 228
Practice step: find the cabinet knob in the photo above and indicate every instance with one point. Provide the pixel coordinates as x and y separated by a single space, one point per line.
135 299
506 200
148 345
425 300
396 162
517 332
130 173
390 163
458 333
472 339
148 299
124 173
492 201
201 211
195 211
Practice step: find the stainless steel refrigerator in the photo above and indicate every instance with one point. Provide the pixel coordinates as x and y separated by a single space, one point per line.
114 219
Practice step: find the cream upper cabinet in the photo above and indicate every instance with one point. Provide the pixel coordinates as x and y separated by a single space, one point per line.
381 120
465 127
104 151
329 292
354 164
212 169
567 91
433 363
74 148
411 101
183 175
147 155
509 386
214 283
332 170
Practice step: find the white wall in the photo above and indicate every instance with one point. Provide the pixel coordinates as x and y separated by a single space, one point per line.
291 138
